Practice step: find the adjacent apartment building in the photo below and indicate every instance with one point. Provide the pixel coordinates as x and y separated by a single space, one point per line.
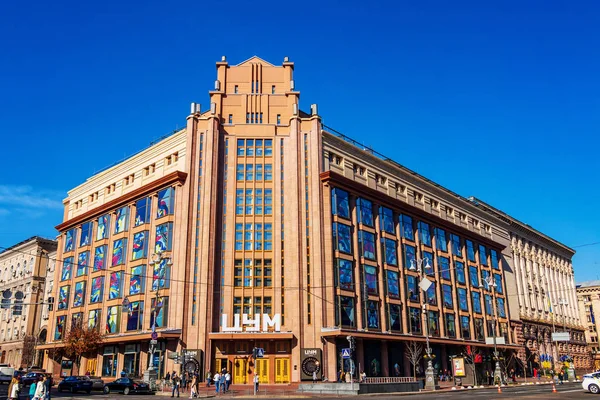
588 299
23 269
278 233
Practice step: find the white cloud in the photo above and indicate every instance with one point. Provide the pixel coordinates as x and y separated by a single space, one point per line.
26 197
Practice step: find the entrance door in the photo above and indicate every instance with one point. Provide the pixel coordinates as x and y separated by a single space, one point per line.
262 370
282 370
92 365
239 371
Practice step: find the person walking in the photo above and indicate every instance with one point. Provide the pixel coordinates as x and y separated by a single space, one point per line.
256 383
175 379
340 375
561 376
216 379
314 377
193 392
183 381
14 388
32 389
208 378
40 390
227 381
222 381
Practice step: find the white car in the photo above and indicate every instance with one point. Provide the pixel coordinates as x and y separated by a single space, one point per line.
591 382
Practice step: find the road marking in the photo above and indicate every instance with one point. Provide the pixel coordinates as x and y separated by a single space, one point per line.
570 391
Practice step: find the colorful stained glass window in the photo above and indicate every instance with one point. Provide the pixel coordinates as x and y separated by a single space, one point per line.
94 319
395 317
63 297
142 211
122 219
67 268
345 274
135 315
164 237
70 240
341 238
424 233
137 279
79 294
160 275
76 319
103 227
118 253
386 217
83 262
393 288
113 319
159 309
456 247
365 211
140 245
340 205
372 314
116 285
391 251
59 331
408 231
366 241
346 311
97 289
86 234
165 202
440 240
99 258
371 279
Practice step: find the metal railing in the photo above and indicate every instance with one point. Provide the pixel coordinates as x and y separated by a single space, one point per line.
389 379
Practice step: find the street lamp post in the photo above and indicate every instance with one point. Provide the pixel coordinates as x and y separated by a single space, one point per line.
424 284
570 369
497 371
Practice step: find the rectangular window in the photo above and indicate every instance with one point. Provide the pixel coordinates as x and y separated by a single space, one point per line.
476 298
258 201
465 327
409 256
268 172
259 148
250 148
390 250
485 275
345 274
424 234
97 289
494 258
241 147
430 295
447 294
478 325
488 304
248 272
386 218
249 171
408 231
142 211
470 250
239 172
83 262
463 304
67 269
450 326
482 255
116 285
460 272
268 147
395 317
473 276
109 361
235 89
278 119
500 305
230 119
161 275
345 312
70 240
412 288
166 200
444 267
372 314
498 281
137 280
113 319
365 211
63 297
77 319
340 204
393 288
273 89
428 265
131 359
118 253
440 240
342 238
103 227
140 245
434 323
370 277
366 241
259 172
121 220
268 201
99 258
164 238
414 316
159 312
239 202
86 234
135 316
456 247
94 319
59 330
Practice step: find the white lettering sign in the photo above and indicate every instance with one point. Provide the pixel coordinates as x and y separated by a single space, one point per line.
249 324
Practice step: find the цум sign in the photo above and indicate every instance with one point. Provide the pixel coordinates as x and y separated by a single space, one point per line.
251 324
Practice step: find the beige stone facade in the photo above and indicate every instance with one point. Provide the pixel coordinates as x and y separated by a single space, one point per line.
588 299
23 269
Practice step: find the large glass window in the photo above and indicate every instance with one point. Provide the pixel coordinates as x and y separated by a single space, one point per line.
434 323
239 237
103 227
118 253
140 245
122 220
239 202
482 255
430 295
63 297
67 269
440 240
161 275
79 294
485 276
94 319
113 319
465 327
97 289
166 199
386 217
463 304
366 241
488 304
159 312
135 315
268 201
341 238
268 172
370 275
86 234
99 258
470 250
142 211
424 234
393 289
131 359
70 240
268 147
428 264
346 312
414 316
249 172
77 319
372 314
478 325
476 297
365 211
447 294
345 274
456 247
83 262
408 231
494 258
450 326
391 251
444 267
250 147
395 317
164 237
116 285
59 330
498 281
460 272
240 147
474 276
412 288
137 280
501 309
239 172
109 361
259 173
340 204
409 255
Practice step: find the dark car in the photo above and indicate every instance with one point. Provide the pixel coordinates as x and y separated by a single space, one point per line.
75 384
32 377
97 383
126 386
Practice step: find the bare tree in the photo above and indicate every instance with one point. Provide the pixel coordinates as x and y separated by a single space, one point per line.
469 354
414 352
29 343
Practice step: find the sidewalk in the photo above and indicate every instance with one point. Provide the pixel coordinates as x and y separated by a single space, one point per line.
241 391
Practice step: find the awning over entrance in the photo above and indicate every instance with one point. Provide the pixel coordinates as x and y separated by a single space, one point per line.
250 335
175 333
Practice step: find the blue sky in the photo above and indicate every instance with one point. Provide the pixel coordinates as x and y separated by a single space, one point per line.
499 101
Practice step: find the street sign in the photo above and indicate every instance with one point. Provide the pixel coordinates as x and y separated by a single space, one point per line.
499 340
346 353
154 336
154 342
260 352
561 337
173 355
425 284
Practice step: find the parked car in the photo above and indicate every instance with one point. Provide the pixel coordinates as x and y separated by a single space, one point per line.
75 384
127 386
97 383
591 382
31 377
6 374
